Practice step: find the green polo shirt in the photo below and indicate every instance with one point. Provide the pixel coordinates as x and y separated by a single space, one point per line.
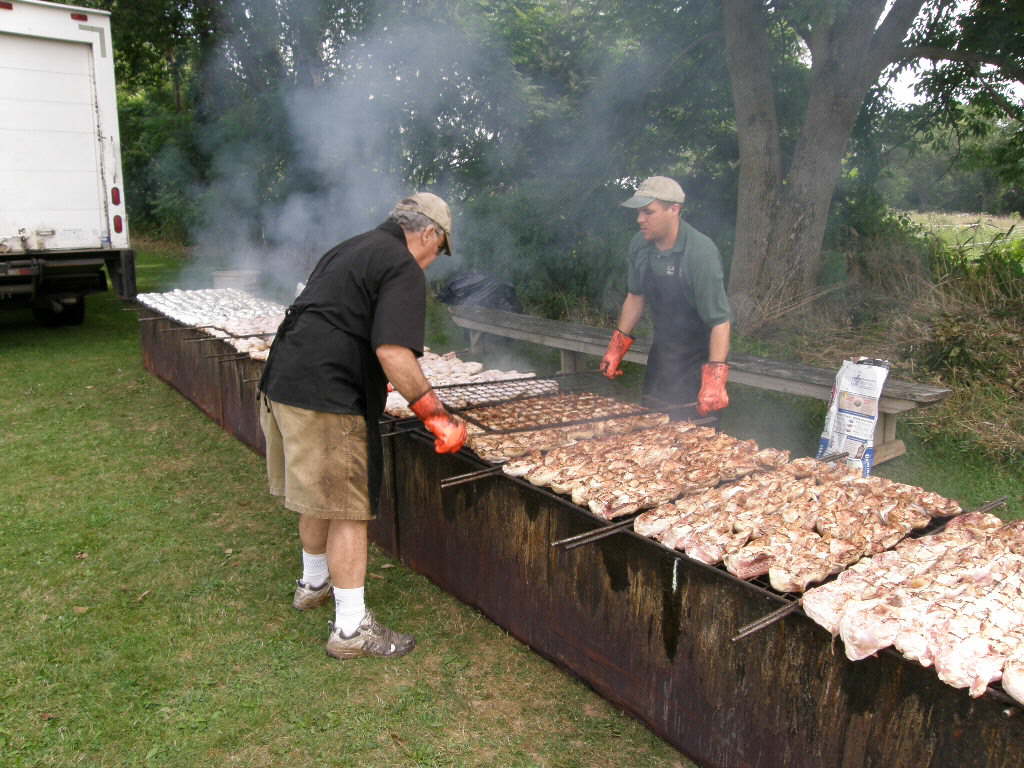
699 261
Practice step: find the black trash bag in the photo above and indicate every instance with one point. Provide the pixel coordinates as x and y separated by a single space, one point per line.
476 289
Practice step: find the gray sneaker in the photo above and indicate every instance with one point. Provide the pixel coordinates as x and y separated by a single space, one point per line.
371 639
307 597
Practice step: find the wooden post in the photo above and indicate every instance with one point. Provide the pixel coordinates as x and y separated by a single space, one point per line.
886 445
570 361
476 342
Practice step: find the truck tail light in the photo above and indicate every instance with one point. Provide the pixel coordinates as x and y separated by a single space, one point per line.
79 17
115 195
5 6
118 224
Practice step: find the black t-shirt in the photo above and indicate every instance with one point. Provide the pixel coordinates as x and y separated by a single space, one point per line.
364 292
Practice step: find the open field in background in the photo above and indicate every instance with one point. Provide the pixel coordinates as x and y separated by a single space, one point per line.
970 230
147 579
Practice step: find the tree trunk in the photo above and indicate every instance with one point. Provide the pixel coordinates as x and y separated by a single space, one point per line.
760 173
782 211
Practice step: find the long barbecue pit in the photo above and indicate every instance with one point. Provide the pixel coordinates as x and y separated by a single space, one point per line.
711 534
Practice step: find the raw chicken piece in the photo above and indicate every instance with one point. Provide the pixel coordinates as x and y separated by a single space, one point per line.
972 663
1013 674
868 626
825 604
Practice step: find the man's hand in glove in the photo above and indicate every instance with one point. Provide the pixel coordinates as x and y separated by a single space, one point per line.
712 395
449 430
617 349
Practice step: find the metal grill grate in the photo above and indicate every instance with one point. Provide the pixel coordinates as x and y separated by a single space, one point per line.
543 411
461 396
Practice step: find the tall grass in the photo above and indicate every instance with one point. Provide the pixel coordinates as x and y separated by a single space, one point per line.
944 311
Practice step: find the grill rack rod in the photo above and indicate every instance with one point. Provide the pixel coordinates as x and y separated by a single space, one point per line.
768 619
224 356
834 456
181 328
469 477
780 613
403 431
221 338
597 534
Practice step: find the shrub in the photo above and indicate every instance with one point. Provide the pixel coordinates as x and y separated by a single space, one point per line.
968 346
993 277
944 314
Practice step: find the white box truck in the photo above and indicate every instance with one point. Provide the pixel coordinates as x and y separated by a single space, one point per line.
63 227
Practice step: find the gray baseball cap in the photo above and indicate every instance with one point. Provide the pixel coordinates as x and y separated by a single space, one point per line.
435 209
656 188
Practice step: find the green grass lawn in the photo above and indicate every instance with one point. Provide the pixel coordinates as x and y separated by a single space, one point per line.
147 617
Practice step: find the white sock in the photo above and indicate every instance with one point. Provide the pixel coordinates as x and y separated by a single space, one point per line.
349 609
314 569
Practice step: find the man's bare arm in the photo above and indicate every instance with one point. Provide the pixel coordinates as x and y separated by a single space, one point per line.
632 311
403 370
718 344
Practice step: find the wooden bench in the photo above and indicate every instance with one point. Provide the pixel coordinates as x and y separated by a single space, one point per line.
575 340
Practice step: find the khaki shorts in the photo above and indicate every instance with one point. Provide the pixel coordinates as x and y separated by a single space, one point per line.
317 461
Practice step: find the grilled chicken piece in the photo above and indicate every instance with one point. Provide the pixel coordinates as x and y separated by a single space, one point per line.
499 447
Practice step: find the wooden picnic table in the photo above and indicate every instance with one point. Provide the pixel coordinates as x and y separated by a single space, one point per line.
575 340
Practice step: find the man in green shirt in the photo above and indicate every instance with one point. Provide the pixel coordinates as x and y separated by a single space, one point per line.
677 272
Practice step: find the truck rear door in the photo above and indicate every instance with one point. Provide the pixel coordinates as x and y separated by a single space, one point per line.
52 194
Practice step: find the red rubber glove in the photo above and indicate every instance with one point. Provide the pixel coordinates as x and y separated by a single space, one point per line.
449 430
712 395
617 349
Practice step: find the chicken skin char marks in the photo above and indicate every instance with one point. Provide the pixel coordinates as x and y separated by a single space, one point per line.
797 525
619 475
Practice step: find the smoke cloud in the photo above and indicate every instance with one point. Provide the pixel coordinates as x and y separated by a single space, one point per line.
349 145
419 99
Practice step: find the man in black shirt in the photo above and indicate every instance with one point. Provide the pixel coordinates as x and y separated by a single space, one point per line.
358 323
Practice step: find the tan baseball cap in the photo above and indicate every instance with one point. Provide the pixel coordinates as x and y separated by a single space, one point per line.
656 188
435 209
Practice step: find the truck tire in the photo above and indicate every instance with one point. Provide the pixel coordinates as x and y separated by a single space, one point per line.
46 316
73 314
69 314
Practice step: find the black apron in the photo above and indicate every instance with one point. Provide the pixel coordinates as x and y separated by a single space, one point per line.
374 392
680 345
